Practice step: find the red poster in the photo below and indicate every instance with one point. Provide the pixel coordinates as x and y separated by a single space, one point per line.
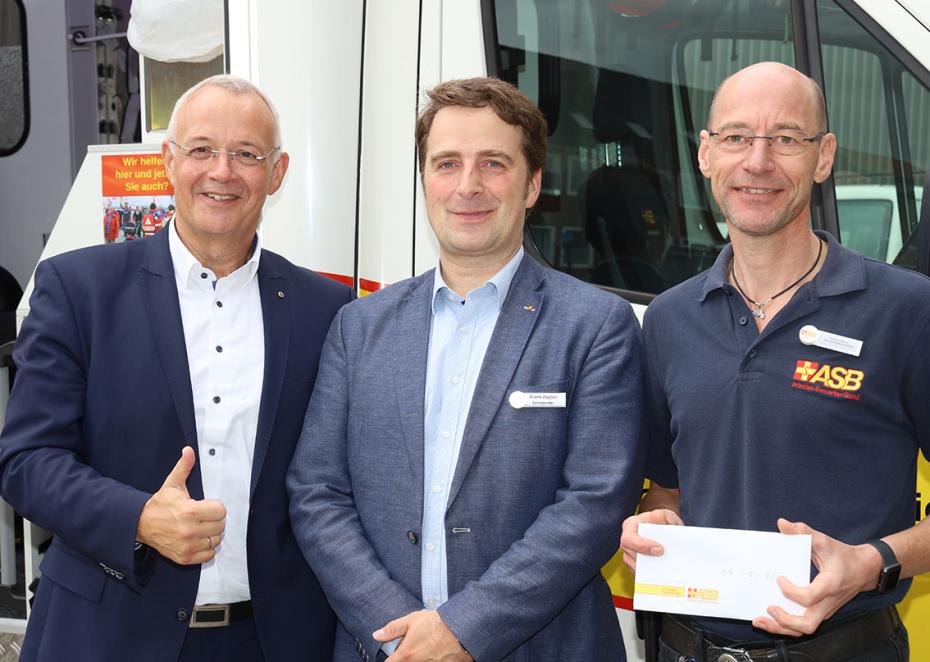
137 196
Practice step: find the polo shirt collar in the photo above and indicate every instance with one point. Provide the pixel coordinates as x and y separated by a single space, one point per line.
843 270
717 275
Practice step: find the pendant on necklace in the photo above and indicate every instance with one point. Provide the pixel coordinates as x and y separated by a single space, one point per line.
759 313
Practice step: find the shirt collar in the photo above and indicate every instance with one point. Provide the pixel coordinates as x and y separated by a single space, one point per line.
500 281
187 268
843 270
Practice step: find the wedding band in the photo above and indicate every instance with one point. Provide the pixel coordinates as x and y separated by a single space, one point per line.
210 540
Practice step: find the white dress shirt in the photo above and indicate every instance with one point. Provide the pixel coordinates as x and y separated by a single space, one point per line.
225 342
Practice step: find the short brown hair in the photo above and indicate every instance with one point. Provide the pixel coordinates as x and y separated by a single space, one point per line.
507 102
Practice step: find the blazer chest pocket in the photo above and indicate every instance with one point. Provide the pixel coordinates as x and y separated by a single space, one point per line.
74 572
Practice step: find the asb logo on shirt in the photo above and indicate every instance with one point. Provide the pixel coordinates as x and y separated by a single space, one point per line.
836 381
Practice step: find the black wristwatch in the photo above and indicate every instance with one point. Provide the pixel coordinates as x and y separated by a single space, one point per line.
891 568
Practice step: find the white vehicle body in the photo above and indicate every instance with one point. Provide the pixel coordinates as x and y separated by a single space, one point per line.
348 77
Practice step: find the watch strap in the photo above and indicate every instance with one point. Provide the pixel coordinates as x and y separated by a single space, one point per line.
891 567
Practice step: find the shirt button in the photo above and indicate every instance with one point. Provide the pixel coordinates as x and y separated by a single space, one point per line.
437 489
216 399
430 546
219 304
455 380
463 330
219 348
743 320
181 614
445 434
412 537
752 353
432 603
212 451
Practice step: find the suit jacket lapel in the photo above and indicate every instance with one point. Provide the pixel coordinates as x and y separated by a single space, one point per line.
514 324
160 298
275 320
411 341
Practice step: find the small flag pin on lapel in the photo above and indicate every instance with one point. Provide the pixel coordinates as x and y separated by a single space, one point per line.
530 308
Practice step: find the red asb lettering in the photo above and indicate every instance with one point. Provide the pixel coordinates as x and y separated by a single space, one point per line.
837 378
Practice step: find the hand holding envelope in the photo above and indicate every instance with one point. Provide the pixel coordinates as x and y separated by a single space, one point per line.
725 573
844 571
633 543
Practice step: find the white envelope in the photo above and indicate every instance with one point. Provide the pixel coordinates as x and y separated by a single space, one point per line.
719 572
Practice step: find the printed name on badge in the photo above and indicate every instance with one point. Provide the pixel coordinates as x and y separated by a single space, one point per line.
811 335
519 400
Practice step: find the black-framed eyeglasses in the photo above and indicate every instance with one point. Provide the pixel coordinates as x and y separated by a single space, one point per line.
241 156
787 143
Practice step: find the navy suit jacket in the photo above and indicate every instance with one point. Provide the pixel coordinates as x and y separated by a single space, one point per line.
100 411
537 497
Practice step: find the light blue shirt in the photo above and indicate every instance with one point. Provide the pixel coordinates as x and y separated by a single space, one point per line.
459 337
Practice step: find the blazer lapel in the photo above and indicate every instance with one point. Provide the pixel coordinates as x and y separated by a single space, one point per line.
412 343
160 298
514 324
275 320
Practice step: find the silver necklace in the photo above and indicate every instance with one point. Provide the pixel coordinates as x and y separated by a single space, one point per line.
759 312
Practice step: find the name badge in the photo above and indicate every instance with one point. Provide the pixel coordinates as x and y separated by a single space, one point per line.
811 335
519 400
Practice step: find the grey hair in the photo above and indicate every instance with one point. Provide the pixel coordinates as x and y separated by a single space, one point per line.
229 83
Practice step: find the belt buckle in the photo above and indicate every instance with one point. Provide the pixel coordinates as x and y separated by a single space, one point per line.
211 622
725 654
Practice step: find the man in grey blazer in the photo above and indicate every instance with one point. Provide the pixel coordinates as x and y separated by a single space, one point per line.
473 441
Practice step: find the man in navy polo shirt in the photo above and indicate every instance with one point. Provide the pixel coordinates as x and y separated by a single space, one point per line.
788 384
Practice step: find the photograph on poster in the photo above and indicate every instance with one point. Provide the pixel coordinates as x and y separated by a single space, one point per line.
138 199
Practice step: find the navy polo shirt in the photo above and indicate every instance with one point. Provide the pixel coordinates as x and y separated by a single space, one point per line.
756 426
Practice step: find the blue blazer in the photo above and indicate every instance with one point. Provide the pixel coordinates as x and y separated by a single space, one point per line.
100 411
537 497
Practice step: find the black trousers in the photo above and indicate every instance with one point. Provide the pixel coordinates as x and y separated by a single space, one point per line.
237 642
894 649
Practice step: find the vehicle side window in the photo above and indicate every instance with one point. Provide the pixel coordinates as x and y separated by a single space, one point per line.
165 82
14 100
625 88
880 114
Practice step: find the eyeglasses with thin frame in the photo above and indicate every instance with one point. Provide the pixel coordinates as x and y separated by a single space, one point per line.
786 144
243 157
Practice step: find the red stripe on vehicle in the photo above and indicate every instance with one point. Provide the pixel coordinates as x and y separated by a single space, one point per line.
369 285
623 602
345 280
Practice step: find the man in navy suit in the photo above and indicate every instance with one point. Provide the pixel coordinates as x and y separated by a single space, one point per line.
473 441
160 391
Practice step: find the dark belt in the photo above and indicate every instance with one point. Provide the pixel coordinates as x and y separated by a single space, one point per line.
840 642
218 616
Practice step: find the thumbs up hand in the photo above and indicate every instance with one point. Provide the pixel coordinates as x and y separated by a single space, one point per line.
178 527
